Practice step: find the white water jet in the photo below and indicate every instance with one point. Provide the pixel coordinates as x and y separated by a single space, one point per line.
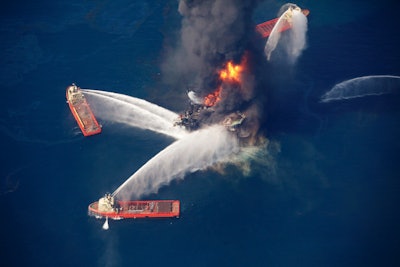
275 35
157 110
105 225
295 42
196 151
363 86
134 112
194 98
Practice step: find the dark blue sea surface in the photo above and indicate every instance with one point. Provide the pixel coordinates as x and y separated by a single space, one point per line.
328 197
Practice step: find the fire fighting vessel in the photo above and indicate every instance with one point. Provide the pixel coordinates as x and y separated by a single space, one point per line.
265 28
82 111
108 207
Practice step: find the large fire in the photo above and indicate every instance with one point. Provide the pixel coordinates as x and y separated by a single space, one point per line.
213 98
231 73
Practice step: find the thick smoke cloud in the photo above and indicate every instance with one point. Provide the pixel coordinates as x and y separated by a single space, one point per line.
212 32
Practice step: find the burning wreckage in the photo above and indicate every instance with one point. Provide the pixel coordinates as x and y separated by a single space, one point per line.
207 110
213 53
191 119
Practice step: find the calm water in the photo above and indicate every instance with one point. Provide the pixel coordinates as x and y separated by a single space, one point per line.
329 196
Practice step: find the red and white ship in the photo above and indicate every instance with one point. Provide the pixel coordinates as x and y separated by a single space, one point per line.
265 28
108 207
82 111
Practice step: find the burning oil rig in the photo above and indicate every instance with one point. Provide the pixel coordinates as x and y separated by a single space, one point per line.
210 109
191 118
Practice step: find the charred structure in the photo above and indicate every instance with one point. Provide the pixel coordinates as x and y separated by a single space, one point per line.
216 53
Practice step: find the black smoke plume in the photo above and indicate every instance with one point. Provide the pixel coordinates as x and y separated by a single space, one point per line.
212 33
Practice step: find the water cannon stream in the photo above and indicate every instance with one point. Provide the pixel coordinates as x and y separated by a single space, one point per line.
296 20
134 112
363 86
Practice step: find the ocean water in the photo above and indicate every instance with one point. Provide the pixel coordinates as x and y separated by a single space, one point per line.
328 197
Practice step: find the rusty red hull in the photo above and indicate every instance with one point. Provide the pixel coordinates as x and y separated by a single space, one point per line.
138 209
265 28
81 111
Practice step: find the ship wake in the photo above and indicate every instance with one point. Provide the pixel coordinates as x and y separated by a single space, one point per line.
195 151
134 112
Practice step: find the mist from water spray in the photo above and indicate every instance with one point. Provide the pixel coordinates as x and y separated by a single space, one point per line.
196 151
363 86
275 35
295 42
213 32
194 98
133 112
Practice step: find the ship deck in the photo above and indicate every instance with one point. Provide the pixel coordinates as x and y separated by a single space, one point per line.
139 209
82 112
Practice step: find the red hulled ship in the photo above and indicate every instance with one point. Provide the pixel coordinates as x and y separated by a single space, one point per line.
108 207
82 111
265 28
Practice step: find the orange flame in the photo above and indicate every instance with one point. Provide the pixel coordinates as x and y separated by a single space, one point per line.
213 98
230 74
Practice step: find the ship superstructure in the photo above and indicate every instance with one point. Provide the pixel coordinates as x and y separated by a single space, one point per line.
266 28
81 111
108 207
